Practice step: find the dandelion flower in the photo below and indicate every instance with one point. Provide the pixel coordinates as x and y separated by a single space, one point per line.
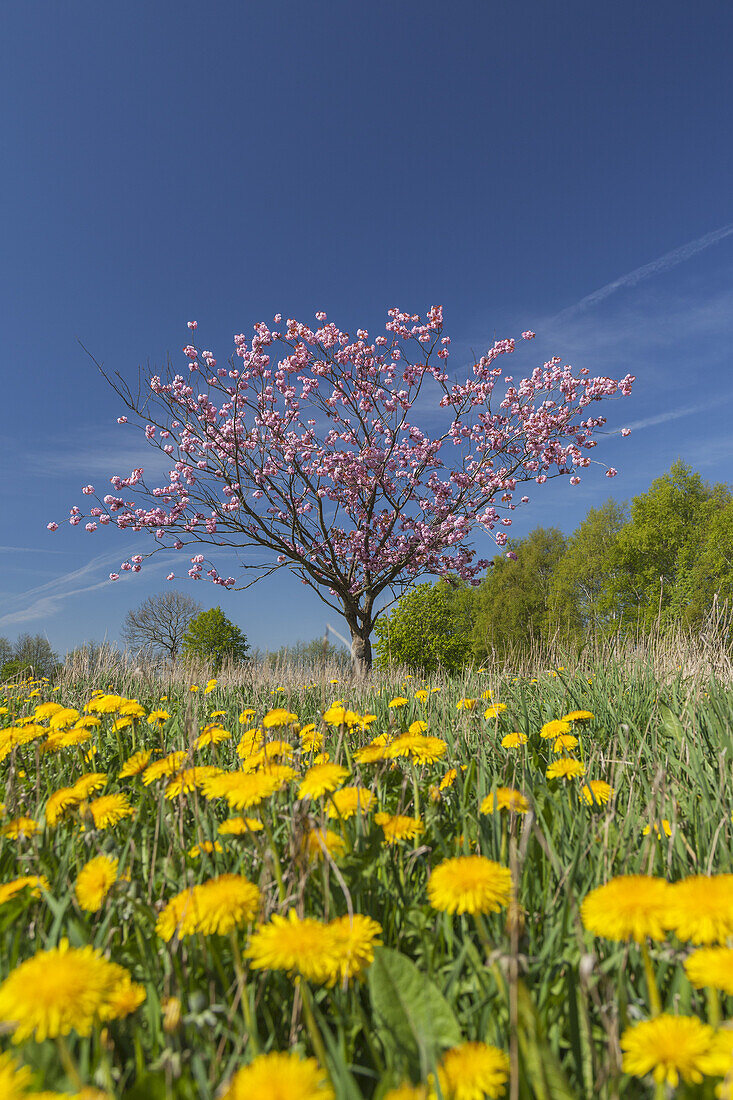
354 939
669 1048
494 711
399 827
296 945
666 829
427 750
578 716
349 801
109 809
240 826
417 728
247 715
242 790
157 717
135 764
566 742
565 768
212 734
95 880
65 798
186 781
58 991
316 840
469 884
216 906
278 717
596 792
370 754
466 704
629 907
711 966
163 769
514 740
556 728
506 799
398 701
321 779
14 1078
19 828
701 908
89 784
208 846
473 1071
35 883
276 1076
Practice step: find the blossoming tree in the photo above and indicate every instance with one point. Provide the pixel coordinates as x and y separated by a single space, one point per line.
308 448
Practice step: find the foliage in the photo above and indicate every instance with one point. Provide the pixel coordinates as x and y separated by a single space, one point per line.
311 451
158 625
428 629
30 651
514 604
581 586
313 653
211 636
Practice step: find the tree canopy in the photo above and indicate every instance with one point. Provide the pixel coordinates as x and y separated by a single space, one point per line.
213 638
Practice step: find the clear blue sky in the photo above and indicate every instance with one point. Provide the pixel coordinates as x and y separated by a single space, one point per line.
225 161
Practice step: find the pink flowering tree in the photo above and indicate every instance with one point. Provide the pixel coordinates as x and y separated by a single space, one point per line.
308 449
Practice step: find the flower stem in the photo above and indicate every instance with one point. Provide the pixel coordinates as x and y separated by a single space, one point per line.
655 1002
312 1027
247 1014
68 1062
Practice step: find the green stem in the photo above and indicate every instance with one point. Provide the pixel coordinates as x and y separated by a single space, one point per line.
275 862
312 1027
247 1014
68 1062
713 999
655 1002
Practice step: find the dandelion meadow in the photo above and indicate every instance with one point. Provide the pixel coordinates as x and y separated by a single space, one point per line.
514 886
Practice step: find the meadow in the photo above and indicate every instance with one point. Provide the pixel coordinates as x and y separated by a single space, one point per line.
514 883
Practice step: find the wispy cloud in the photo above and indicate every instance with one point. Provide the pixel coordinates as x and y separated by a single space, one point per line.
676 414
655 267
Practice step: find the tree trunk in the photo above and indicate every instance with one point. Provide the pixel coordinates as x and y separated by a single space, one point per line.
361 651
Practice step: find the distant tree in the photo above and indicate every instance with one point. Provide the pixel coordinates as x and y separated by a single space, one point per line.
581 592
6 651
428 628
314 652
705 574
212 637
14 669
654 552
34 651
159 623
513 606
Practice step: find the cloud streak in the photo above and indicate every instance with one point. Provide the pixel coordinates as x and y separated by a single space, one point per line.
655 267
676 414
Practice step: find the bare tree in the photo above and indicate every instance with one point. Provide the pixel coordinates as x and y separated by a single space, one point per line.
159 623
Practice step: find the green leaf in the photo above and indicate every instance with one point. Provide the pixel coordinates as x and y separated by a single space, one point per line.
414 1013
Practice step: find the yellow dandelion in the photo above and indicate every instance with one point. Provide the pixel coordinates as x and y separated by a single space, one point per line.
506 799
296 945
249 743
469 884
596 792
321 779
495 711
278 717
319 841
666 828
472 1071
240 826
398 827
216 906
701 908
514 740
208 846
628 907
109 809
466 704
19 828
247 715
566 742
276 1076
427 750
417 728
106 704
669 1048
210 687
14 1078
165 768
370 754
94 882
63 718
212 734
349 801
58 991
578 716
157 717
397 702
354 939
132 709
311 739
241 789
187 780
46 710
65 798
89 784
34 883
421 695
556 728
565 768
711 966
135 764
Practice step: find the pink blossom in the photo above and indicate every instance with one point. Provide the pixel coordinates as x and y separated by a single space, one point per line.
170 577
575 480
87 490
626 431
52 526
528 335
611 472
193 325
114 576
121 419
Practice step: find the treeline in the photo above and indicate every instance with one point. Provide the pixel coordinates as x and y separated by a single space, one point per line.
664 560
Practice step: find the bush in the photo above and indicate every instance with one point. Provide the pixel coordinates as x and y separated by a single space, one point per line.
212 637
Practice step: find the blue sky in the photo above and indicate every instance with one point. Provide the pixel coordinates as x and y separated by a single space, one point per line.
226 161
